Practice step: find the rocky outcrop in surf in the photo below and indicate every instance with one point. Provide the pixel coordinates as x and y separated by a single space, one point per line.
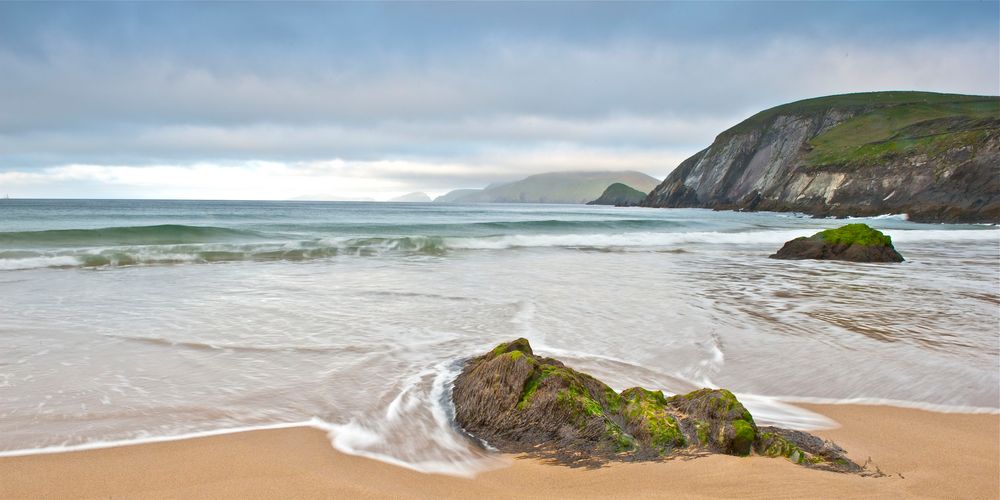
853 242
519 402
933 156
619 195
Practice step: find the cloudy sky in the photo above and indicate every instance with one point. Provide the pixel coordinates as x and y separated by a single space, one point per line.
277 101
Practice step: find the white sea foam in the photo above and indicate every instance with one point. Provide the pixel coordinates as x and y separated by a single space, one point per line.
631 239
913 235
101 444
883 217
667 239
419 413
915 405
38 262
772 411
435 245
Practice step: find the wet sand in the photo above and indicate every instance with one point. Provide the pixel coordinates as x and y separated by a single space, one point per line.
923 454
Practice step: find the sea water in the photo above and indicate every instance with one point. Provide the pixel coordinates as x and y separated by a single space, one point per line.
125 321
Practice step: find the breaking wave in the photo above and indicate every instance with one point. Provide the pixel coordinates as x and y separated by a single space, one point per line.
130 235
179 244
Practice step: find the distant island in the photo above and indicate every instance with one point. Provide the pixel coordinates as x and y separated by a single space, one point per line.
554 187
327 197
933 156
620 195
417 197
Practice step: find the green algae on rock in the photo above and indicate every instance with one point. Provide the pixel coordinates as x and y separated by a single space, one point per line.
856 234
805 449
519 402
853 242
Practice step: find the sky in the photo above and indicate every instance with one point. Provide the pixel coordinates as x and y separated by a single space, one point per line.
374 100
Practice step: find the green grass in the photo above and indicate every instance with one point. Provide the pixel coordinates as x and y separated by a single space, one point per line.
619 192
919 128
857 101
856 234
887 125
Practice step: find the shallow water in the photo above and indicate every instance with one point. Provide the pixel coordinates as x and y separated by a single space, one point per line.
132 320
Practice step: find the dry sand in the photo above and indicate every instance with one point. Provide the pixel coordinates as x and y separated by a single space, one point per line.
924 454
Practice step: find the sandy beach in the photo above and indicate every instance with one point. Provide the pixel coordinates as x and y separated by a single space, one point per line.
923 454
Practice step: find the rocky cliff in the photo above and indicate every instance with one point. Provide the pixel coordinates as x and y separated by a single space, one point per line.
933 156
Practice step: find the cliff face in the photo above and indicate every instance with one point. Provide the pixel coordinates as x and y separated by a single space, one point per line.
933 156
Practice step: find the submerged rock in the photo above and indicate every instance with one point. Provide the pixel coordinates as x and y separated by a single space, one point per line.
853 242
522 403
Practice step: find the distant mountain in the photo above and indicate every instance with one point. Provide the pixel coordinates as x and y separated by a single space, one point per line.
326 197
620 195
417 197
554 187
456 194
933 156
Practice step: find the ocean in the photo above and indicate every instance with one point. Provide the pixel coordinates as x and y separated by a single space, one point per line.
131 321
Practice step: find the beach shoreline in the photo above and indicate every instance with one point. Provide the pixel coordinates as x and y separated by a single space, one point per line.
921 453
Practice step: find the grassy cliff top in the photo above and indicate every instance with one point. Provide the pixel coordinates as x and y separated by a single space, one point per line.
916 128
862 101
887 124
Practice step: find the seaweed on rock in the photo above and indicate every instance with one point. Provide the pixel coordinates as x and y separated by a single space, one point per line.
852 242
519 402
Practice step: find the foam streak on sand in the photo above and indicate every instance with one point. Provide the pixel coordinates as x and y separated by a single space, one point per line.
898 403
351 438
100 445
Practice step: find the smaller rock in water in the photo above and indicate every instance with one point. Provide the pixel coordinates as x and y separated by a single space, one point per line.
853 242
522 403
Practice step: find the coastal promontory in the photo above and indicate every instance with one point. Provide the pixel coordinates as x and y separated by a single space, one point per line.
933 156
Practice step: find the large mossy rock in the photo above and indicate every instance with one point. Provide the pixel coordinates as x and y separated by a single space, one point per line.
522 403
853 242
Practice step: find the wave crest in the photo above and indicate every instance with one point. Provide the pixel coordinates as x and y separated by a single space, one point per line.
172 244
162 234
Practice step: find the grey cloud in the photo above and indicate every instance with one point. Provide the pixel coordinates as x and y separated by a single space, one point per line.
74 88
83 106
439 139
